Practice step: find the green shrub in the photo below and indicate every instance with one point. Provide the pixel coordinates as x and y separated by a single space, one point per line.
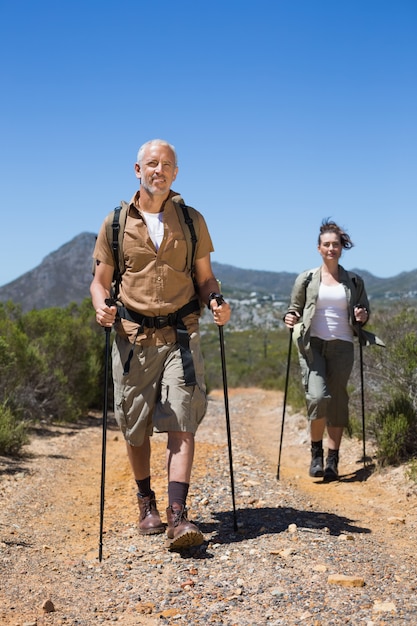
411 470
395 430
66 344
13 434
51 361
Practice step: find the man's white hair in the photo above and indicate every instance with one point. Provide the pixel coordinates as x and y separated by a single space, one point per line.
155 142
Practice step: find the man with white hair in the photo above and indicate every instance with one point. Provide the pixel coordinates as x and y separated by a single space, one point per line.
158 369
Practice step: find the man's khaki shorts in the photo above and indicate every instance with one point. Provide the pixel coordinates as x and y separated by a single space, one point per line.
152 396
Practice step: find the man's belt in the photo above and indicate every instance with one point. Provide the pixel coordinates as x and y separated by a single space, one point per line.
162 321
159 321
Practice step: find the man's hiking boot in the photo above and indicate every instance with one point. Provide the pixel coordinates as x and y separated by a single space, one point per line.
331 472
316 465
150 522
181 532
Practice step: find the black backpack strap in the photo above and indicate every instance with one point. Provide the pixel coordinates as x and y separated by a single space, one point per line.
183 339
188 220
308 280
191 232
115 228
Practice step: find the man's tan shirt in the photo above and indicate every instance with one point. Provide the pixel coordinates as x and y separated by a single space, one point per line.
155 282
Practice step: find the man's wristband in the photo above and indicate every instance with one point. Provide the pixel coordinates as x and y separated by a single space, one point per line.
215 296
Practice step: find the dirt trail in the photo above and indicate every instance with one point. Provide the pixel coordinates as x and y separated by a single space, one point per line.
49 500
379 499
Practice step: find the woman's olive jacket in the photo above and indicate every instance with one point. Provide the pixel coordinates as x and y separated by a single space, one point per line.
304 298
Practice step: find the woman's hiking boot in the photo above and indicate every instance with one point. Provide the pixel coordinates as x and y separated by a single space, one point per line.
150 522
181 532
316 465
331 472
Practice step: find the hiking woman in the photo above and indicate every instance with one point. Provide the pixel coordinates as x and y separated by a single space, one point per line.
328 306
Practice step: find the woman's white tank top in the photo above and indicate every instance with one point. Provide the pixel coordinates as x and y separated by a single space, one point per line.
331 320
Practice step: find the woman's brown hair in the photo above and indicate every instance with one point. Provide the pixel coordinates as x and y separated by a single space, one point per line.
328 226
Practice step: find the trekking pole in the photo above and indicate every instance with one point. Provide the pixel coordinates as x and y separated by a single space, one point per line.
359 334
285 400
109 302
363 401
226 407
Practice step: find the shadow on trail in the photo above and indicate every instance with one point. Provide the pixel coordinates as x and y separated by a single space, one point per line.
359 475
18 463
57 429
12 466
254 523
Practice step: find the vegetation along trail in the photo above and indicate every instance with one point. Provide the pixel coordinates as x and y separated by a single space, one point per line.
305 552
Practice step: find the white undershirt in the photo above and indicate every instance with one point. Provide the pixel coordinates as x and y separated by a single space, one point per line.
331 320
155 224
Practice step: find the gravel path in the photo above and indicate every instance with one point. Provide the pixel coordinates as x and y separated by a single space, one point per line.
296 558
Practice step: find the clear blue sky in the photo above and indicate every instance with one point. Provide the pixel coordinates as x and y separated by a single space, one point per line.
283 112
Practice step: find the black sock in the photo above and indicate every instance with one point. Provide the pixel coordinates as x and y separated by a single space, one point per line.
177 492
317 446
333 454
144 487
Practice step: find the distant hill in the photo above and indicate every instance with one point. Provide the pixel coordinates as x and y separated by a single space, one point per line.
240 283
64 276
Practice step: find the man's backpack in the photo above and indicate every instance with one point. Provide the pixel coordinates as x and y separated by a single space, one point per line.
115 226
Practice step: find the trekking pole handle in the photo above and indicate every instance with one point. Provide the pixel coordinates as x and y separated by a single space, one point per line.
218 297
109 302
